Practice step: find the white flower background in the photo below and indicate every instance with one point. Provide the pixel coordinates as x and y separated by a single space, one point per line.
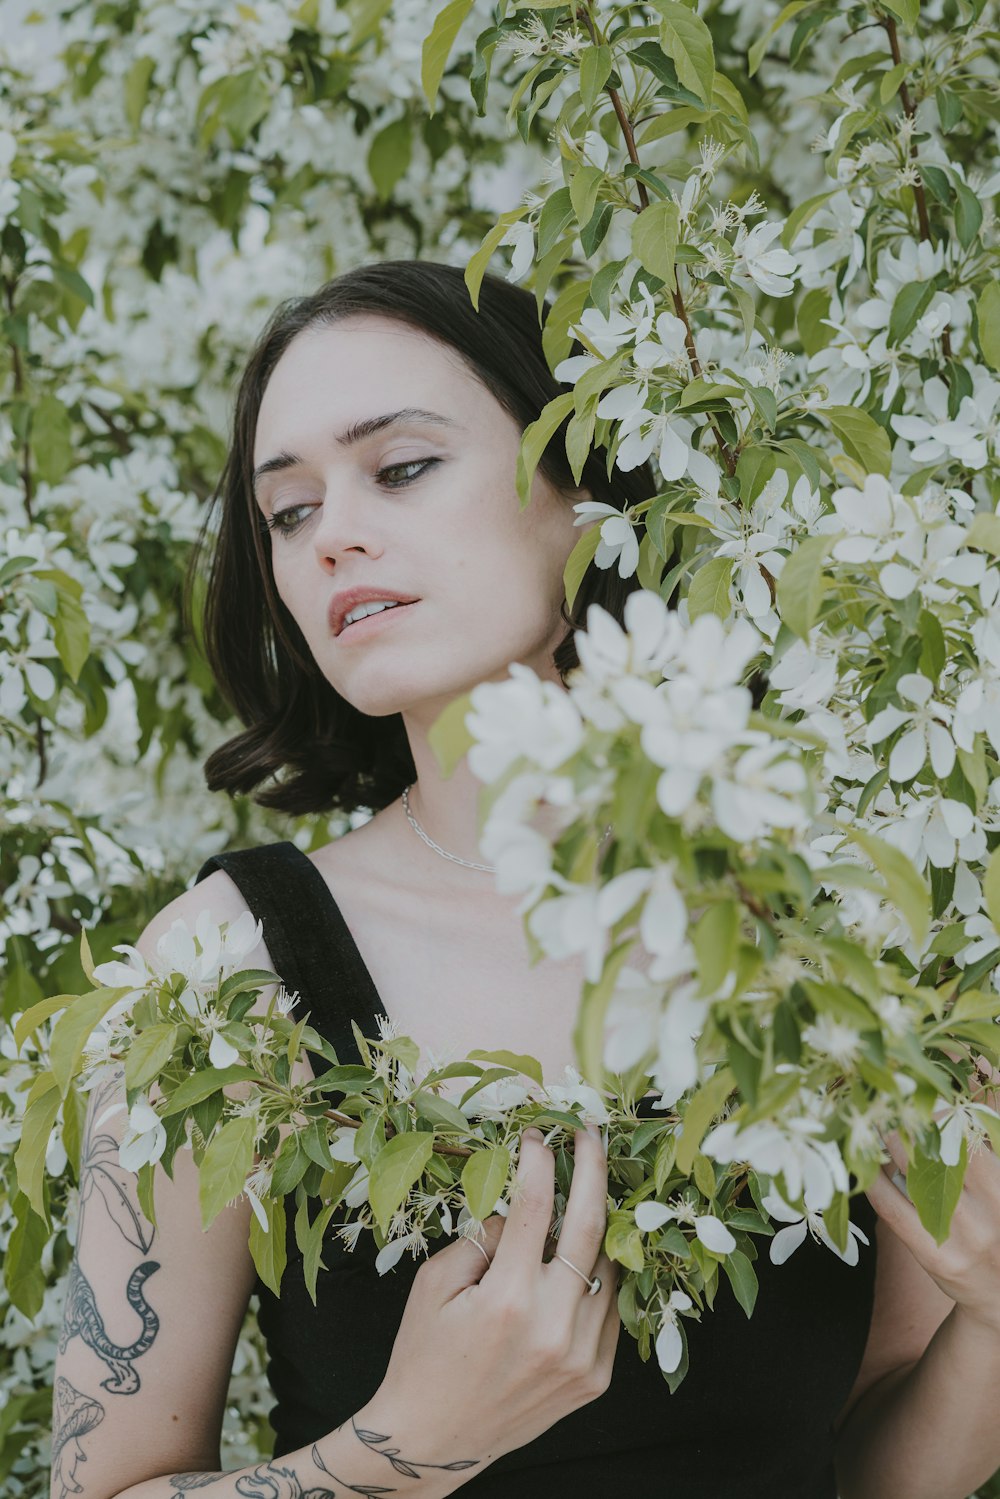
167 175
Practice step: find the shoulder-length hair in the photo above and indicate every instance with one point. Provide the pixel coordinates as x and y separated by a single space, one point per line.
317 752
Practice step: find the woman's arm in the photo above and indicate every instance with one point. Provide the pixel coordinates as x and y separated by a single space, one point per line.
929 1431
922 1420
374 1453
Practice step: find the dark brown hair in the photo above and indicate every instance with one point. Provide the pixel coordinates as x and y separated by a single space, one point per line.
318 752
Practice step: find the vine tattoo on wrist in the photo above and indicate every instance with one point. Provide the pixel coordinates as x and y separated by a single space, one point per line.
375 1442
278 1481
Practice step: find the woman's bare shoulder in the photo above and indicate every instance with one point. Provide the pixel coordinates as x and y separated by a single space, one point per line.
217 894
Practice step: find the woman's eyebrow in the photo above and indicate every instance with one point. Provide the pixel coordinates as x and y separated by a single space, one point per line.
357 432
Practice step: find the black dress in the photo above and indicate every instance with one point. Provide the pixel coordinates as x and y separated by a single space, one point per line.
753 1417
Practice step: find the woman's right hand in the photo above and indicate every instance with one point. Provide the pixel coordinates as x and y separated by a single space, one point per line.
488 1356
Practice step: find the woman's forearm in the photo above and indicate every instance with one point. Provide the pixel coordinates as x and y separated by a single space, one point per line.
932 1432
376 1451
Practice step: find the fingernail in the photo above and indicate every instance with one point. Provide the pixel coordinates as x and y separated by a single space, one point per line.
533 1134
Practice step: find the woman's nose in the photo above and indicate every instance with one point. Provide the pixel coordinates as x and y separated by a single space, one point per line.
345 524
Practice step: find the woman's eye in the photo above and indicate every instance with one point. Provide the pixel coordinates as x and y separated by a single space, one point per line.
283 521
421 464
286 522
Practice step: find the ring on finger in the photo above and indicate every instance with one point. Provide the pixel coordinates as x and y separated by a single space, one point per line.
593 1284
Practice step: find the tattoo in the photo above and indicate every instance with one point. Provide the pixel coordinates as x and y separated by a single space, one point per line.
268 1481
74 1415
82 1318
274 1481
100 1171
375 1441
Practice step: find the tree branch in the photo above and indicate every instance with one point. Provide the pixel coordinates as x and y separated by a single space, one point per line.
676 297
919 195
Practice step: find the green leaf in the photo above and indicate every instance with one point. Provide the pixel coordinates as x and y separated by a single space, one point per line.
437 47
579 560
595 70
911 302
813 331
968 215
991 888
686 39
22 1268
934 1190
623 1241
984 533
137 88
51 439
389 156
203 1084
949 107
440 1112
290 1164
71 633
268 1250
988 315
654 239
535 439
149 1053
476 268
517 1060
709 590
449 737
227 1162
801 215
483 1178
742 1278
905 887
32 1019
397 1167
40 1112
698 1114
715 936
756 53
588 1032
313 1247
864 440
889 87
583 189
73 1030
906 11
801 584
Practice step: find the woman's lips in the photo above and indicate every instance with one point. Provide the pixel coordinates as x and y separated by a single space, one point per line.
372 623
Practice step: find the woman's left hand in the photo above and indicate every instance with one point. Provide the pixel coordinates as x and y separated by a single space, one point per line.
967 1265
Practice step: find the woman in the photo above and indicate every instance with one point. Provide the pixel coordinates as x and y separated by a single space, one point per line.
375 441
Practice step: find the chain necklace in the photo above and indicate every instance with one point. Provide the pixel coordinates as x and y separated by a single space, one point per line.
468 863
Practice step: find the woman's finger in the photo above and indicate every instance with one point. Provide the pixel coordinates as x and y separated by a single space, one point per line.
529 1214
584 1221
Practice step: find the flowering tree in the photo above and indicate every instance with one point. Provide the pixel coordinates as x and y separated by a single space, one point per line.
802 331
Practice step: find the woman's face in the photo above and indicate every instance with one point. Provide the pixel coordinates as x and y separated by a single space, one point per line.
423 508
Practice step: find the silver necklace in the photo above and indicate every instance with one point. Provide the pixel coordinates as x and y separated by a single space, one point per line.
468 863
414 824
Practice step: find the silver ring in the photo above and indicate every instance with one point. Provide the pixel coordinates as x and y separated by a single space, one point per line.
593 1286
482 1251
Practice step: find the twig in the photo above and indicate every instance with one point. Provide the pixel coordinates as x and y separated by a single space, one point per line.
910 110
439 1149
675 295
121 439
27 479
919 195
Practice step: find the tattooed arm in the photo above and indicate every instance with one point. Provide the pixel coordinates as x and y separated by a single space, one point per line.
151 1315
356 1459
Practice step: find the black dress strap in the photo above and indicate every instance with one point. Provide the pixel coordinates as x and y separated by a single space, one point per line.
308 939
